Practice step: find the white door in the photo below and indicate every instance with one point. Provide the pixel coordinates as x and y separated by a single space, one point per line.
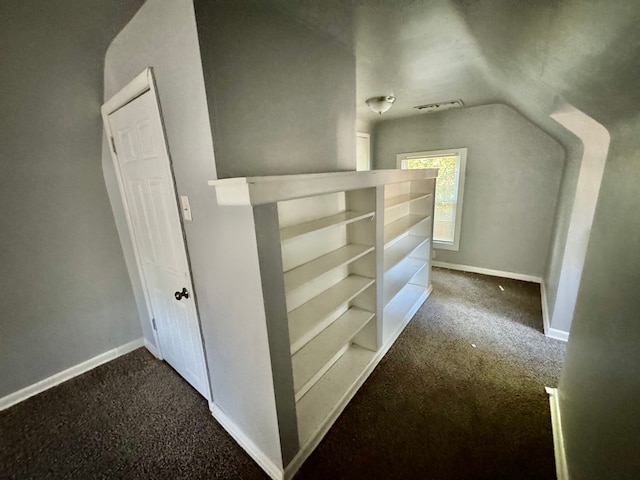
363 151
150 198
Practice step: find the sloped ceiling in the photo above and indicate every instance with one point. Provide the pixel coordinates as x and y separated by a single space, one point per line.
534 55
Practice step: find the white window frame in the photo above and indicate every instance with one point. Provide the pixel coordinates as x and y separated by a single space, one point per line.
461 153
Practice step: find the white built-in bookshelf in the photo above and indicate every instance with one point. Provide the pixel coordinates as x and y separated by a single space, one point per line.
408 226
345 262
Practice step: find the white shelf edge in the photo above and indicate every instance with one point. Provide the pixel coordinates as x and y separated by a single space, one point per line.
397 318
406 223
319 323
261 190
315 269
404 199
326 399
402 279
308 445
406 252
316 357
302 391
305 228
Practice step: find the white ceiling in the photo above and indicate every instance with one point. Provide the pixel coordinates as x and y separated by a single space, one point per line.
533 55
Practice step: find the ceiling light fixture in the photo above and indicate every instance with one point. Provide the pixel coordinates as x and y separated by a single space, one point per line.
437 107
380 104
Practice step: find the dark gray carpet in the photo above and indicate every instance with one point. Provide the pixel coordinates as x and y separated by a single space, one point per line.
435 408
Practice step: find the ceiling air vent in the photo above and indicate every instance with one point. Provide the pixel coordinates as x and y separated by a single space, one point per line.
438 107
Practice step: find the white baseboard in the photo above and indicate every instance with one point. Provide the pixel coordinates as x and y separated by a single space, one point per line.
152 348
58 378
488 271
562 471
548 331
545 307
273 470
557 334
546 319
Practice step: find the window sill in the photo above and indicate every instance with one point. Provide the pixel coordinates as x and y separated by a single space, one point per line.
445 246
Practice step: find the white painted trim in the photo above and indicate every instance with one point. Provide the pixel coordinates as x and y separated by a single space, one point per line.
546 319
487 271
367 137
562 471
315 440
152 348
461 153
139 85
132 90
548 331
273 470
595 141
275 188
409 316
557 334
545 308
68 374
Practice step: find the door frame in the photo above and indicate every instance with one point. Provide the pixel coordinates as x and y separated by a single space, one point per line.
141 84
367 137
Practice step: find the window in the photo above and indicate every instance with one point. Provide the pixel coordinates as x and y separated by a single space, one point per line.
449 188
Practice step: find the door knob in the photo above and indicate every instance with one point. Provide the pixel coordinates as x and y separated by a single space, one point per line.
183 294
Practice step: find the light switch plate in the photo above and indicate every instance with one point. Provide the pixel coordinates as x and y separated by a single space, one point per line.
186 208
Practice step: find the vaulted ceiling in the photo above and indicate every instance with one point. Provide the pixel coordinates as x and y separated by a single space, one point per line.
534 55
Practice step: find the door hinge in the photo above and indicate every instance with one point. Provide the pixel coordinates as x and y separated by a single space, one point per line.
113 145
153 322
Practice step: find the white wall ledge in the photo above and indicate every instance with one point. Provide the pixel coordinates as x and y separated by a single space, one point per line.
262 190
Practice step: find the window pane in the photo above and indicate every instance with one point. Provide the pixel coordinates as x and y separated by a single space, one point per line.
446 193
444 221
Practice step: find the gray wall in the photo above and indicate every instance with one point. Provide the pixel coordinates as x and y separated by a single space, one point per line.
251 137
600 382
281 100
281 95
163 35
65 295
512 181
